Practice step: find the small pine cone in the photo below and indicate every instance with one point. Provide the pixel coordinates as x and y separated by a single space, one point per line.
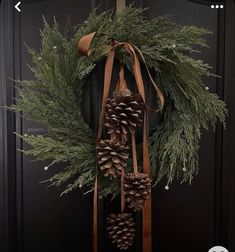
137 188
124 113
121 230
112 157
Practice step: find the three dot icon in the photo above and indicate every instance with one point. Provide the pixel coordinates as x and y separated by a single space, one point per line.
217 6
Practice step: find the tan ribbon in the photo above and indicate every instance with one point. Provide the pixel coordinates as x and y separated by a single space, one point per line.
147 211
121 84
84 49
84 44
120 5
95 216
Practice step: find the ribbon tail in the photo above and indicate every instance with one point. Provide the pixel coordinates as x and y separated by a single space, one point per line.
95 217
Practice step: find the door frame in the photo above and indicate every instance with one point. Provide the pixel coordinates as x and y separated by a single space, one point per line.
7 127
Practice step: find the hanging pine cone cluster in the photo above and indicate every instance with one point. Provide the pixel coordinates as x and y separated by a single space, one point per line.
137 188
112 157
123 113
121 230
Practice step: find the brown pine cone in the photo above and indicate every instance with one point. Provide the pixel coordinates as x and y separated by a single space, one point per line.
112 157
123 113
137 188
121 230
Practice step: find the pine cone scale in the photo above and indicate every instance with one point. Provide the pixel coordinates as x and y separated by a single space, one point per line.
137 188
112 157
120 230
123 114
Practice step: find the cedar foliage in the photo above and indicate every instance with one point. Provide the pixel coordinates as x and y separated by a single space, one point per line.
54 98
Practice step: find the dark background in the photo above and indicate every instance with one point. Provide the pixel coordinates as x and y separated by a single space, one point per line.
193 218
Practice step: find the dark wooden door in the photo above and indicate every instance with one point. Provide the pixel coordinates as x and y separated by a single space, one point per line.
192 208
34 218
52 222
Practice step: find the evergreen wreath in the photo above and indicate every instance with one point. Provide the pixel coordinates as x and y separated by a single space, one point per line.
54 98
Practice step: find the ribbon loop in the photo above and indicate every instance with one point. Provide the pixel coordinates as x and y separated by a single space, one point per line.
84 44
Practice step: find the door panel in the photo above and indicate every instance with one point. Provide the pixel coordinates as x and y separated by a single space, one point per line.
50 222
184 215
